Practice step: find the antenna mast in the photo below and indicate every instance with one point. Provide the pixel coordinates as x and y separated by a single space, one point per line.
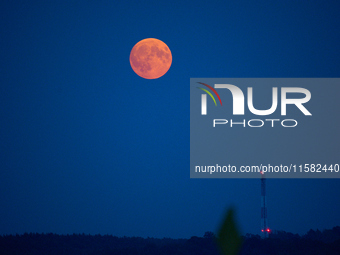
265 230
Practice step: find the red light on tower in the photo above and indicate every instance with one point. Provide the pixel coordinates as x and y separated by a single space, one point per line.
268 230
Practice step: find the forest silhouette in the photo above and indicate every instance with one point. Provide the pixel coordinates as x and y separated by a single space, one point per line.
279 242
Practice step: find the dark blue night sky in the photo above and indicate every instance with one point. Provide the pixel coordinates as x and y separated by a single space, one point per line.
87 146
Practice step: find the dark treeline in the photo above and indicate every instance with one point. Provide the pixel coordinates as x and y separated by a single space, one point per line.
280 242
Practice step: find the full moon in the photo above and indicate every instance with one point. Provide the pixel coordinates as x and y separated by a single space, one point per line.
150 58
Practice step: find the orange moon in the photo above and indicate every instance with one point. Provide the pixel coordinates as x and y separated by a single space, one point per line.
150 58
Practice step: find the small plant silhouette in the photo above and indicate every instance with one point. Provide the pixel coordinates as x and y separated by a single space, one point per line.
228 237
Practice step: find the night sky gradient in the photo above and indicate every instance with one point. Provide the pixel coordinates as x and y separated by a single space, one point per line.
87 146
